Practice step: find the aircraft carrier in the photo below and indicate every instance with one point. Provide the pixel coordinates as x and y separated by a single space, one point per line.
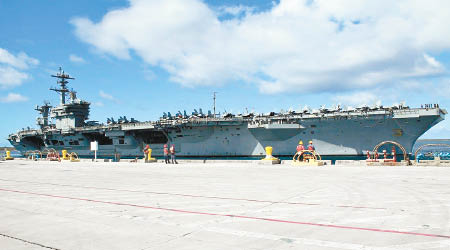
335 131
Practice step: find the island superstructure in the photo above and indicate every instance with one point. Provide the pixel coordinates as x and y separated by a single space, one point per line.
336 131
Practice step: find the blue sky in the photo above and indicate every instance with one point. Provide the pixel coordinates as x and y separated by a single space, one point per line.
141 58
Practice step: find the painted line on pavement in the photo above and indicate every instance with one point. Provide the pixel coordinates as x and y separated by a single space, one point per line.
28 242
232 215
197 196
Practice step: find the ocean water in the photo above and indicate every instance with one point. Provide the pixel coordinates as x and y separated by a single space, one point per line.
428 152
432 148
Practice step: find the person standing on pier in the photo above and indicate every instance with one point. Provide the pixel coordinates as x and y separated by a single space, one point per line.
300 146
145 153
166 154
172 154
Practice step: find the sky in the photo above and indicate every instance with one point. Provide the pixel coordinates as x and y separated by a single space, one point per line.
141 58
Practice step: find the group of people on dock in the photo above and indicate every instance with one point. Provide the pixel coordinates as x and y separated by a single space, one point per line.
310 147
168 152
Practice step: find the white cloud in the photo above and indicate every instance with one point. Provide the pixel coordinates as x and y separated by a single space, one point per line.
295 46
13 97
21 61
11 68
107 96
10 77
76 59
358 99
98 104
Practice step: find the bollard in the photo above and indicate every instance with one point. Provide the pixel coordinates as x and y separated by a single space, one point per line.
394 154
8 156
149 154
269 156
269 151
65 155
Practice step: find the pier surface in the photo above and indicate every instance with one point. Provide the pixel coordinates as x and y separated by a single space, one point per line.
93 205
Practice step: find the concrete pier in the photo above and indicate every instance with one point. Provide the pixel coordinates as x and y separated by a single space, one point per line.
98 205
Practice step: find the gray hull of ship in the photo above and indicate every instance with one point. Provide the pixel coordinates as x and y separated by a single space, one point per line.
334 136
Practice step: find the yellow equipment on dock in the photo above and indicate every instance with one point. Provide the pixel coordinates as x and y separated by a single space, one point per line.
149 158
8 156
74 157
307 158
270 157
65 154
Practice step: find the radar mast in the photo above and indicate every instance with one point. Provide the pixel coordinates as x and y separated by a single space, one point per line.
62 81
